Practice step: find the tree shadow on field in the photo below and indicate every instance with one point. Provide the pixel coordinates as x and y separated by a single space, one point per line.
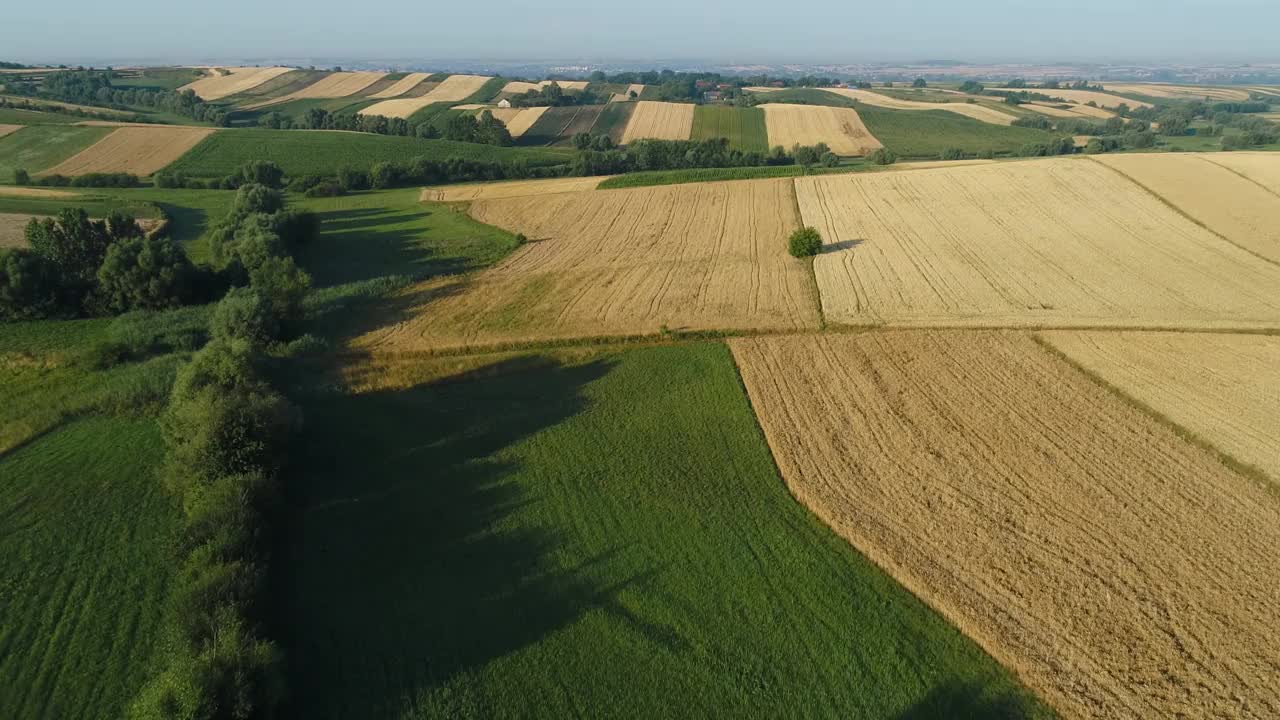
842 245
360 244
968 700
413 556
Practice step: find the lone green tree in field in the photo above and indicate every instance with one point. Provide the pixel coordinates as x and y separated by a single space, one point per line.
920 83
805 242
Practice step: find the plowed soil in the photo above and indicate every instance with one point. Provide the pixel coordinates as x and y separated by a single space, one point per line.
1120 571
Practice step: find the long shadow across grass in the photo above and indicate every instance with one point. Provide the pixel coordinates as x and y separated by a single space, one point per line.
397 544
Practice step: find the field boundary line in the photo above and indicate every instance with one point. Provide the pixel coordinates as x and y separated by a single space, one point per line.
1182 212
1241 175
812 261
1249 471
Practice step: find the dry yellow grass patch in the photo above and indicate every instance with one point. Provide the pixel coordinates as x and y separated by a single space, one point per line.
513 188
622 262
222 82
333 85
1101 99
1057 242
1178 92
11 191
659 121
636 88
839 128
984 113
1260 167
1224 388
517 87
519 120
1120 571
453 89
1237 208
137 150
6 129
401 86
13 229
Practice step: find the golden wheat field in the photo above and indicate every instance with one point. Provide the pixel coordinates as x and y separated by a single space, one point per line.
452 89
519 120
659 121
133 149
517 87
1180 92
840 128
1232 206
1034 243
510 189
1224 388
333 85
1101 99
401 86
984 113
1069 111
1262 168
222 82
1120 571
622 262
636 88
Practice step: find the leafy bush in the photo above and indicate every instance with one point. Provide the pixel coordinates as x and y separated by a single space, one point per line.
29 285
21 177
244 314
805 242
284 286
255 198
351 179
952 154
883 156
142 273
262 172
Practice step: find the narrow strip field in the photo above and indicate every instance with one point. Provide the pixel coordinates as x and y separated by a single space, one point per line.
1120 571
223 82
134 149
1178 92
454 88
659 121
1233 206
514 188
744 128
518 120
333 85
1084 97
710 256
615 539
840 128
976 111
634 88
1057 242
1069 110
1223 388
516 87
401 86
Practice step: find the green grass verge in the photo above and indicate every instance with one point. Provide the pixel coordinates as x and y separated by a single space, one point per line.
86 537
157 78
744 127
16 116
301 152
608 532
40 147
678 177
926 133
96 205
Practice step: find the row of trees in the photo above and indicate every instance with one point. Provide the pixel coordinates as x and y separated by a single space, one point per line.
93 87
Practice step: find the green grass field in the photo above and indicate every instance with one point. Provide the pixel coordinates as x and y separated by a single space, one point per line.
613 120
487 92
40 147
158 78
302 152
17 116
925 134
87 539
96 205
552 535
191 213
744 127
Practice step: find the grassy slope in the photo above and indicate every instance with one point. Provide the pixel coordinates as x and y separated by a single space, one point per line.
925 134
96 205
86 535
608 534
192 212
16 116
302 152
613 120
158 78
744 127
40 147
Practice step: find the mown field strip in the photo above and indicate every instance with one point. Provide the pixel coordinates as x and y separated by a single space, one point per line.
1117 569
1233 206
840 128
236 80
1177 92
659 121
334 85
133 149
401 86
1047 243
710 256
1223 388
514 188
976 111
1069 111
454 88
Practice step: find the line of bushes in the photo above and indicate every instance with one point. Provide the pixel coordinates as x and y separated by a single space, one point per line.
97 180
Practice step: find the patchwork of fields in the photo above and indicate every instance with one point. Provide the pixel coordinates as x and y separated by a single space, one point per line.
840 128
659 121
135 149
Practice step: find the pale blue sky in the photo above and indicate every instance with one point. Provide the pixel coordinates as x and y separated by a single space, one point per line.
717 30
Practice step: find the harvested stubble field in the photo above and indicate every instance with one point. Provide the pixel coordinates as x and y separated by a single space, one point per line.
659 121
514 188
1101 99
1180 92
710 256
235 80
985 113
518 120
334 85
401 86
6 129
516 87
12 227
453 89
840 128
1223 388
1233 206
1067 243
1261 167
1120 571
1069 110
137 150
